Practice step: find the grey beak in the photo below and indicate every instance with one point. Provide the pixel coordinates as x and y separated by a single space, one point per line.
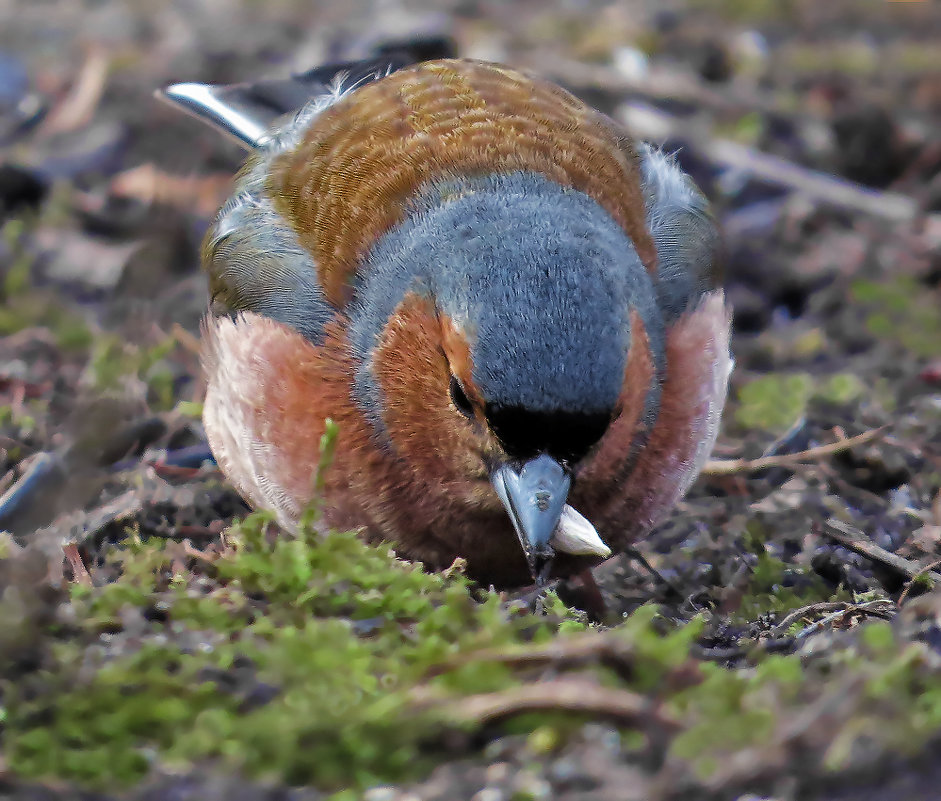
534 497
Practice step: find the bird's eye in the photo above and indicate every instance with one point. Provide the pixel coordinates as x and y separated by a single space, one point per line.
460 399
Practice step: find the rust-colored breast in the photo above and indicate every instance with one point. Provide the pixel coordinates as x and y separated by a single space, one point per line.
350 178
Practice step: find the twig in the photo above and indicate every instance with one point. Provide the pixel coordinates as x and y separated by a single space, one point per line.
776 645
580 648
78 106
185 339
804 611
915 579
152 186
663 83
869 608
728 467
7 481
633 553
573 695
41 469
79 528
84 526
74 558
857 541
647 122
190 550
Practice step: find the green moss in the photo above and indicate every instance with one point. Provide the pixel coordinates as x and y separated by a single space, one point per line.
320 660
767 591
724 703
36 308
841 388
745 10
902 311
190 409
335 633
746 128
571 621
775 586
774 402
299 662
16 279
114 361
657 654
311 661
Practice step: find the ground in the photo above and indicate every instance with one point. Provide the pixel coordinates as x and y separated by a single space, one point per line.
157 642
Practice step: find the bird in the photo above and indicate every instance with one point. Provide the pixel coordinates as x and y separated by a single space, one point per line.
511 310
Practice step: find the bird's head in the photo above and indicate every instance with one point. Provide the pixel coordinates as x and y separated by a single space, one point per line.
495 325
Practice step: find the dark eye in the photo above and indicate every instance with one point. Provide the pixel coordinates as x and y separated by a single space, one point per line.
460 399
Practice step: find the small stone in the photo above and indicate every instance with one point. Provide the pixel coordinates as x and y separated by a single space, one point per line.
488 794
380 794
529 787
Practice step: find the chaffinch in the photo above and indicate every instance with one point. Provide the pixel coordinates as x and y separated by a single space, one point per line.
509 309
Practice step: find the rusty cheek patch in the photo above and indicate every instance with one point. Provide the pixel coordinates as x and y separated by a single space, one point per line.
602 476
667 457
413 375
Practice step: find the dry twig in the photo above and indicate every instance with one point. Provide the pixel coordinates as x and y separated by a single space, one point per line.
857 541
152 186
78 106
777 645
573 695
915 579
74 558
728 467
811 609
581 648
877 608
646 122
185 339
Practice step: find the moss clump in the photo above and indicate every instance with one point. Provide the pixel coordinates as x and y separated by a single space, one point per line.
296 661
321 660
774 586
114 362
743 10
880 693
900 310
773 402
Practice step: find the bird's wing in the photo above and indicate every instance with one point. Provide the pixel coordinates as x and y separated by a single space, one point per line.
248 111
684 231
252 254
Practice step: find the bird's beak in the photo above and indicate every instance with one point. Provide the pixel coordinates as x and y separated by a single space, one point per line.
534 497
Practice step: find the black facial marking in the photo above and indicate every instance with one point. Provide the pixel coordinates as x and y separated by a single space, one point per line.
565 436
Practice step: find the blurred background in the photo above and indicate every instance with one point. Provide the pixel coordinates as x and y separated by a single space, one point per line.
813 127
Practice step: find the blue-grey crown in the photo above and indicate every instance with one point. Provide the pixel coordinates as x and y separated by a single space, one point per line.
539 276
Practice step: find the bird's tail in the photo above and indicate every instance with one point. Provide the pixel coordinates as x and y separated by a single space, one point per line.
248 111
